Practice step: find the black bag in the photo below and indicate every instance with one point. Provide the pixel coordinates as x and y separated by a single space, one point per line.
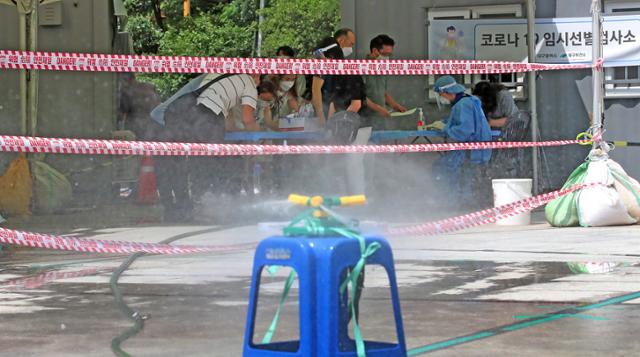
343 127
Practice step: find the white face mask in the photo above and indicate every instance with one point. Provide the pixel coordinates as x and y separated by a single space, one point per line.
262 104
347 51
285 86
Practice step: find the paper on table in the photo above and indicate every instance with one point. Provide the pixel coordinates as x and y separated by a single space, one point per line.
408 112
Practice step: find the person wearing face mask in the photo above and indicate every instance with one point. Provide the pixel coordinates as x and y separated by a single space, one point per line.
461 173
340 46
286 102
339 98
264 115
346 39
301 79
378 98
288 97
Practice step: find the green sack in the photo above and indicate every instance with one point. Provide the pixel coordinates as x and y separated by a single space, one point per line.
51 189
563 211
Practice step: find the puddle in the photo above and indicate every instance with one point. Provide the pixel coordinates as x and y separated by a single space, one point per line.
204 300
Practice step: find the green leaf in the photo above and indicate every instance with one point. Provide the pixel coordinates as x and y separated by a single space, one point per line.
227 30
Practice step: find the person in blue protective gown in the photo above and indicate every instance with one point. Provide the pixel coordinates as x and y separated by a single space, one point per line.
461 174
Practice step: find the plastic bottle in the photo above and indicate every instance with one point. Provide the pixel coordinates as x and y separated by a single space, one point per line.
257 172
422 123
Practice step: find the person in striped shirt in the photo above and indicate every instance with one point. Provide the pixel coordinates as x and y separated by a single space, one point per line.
213 105
197 113
238 90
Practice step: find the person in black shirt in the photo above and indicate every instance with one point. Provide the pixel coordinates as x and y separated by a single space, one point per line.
334 93
340 98
347 94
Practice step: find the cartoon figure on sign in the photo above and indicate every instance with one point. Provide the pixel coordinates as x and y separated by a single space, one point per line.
452 45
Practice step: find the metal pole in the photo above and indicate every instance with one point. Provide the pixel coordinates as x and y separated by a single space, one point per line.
22 33
531 86
597 116
33 75
260 19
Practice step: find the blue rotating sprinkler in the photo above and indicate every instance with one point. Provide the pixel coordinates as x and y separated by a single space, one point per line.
328 255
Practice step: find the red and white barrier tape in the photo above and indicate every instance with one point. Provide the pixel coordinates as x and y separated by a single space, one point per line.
449 225
35 282
116 147
89 62
487 216
45 241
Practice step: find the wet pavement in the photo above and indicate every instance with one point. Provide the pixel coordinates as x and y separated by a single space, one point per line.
499 291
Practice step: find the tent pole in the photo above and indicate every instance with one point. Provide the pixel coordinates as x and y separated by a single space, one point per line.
597 116
531 86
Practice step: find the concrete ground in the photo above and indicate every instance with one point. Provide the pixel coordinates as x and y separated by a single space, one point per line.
501 291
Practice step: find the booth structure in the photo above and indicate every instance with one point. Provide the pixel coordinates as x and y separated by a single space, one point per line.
564 98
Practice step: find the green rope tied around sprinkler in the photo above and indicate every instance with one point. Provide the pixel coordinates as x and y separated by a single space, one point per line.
320 220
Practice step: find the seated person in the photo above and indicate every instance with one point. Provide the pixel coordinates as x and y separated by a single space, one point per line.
300 79
286 102
288 98
503 114
497 103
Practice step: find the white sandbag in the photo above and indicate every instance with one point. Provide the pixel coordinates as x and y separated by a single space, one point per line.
601 205
628 189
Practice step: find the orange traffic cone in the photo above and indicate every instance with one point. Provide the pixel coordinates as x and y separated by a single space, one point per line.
147 185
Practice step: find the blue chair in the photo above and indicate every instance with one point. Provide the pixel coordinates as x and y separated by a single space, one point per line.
321 264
